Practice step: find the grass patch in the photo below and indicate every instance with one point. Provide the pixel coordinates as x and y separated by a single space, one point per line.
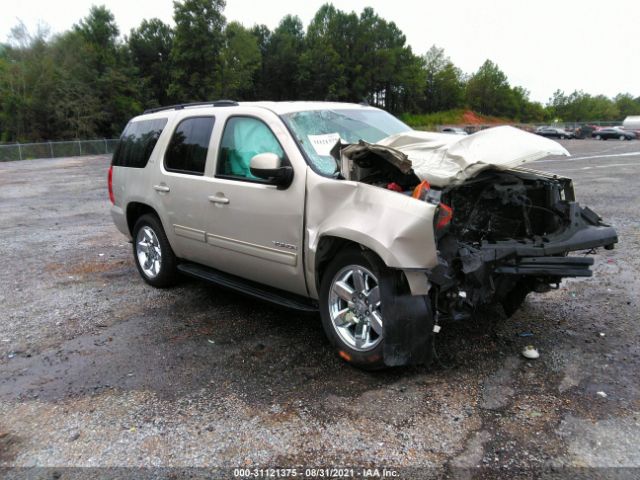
429 121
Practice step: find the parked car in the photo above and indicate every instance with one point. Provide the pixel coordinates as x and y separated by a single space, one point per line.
614 132
554 132
583 131
388 232
454 130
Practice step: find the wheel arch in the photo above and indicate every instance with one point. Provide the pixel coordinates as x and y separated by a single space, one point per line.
328 247
135 210
330 244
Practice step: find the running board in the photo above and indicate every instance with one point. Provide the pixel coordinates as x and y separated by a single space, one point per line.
253 289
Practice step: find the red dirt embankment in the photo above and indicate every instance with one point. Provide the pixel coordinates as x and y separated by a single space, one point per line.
472 118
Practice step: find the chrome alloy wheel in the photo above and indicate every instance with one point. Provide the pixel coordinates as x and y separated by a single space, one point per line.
354 307
148 252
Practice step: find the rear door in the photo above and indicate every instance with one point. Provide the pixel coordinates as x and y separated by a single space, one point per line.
255 229
181 186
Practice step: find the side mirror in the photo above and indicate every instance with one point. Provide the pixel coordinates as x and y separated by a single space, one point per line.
268 166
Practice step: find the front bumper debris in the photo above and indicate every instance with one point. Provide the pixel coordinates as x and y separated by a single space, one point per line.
548 266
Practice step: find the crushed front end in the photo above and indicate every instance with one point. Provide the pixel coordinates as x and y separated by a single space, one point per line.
510 233
501 231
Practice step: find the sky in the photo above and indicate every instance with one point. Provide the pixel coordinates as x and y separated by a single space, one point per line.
542 45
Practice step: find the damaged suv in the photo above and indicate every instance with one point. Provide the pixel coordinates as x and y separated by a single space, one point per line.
389 232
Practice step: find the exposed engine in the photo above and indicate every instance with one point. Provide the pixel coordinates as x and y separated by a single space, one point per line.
496 232
497 206
498 209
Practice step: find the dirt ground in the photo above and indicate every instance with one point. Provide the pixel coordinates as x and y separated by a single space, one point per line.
97 369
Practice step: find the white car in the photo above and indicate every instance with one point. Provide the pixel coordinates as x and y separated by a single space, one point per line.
454 131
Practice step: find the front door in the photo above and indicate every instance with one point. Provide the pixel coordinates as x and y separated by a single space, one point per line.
255 229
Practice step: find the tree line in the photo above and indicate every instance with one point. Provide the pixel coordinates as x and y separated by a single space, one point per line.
88 81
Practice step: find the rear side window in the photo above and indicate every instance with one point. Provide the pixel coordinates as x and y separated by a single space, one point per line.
137 143
187 151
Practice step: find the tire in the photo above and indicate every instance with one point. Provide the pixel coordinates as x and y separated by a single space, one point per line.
562 137
622 137
350 294
152 253
598 137
512 303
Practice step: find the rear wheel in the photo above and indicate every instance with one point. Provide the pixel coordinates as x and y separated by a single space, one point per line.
350 307
154 257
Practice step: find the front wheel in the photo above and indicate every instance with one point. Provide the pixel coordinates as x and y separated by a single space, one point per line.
154 257
350 308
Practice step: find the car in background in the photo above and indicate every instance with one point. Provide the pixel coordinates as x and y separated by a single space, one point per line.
614 132
554 132
632 123
584 131
454 131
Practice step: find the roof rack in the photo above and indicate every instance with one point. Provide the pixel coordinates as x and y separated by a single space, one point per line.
180 106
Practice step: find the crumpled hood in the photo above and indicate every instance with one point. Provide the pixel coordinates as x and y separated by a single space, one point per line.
444 159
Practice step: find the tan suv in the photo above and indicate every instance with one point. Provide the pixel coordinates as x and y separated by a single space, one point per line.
342 208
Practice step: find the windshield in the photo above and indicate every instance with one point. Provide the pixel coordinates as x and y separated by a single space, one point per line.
317 131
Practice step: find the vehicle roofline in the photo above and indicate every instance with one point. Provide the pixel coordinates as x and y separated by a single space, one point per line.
171 110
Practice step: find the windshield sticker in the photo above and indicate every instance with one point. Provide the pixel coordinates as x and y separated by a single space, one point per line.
323 144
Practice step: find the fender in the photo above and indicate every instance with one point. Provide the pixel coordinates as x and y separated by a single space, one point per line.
398 228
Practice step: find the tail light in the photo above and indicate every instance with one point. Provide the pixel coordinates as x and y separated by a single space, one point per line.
110 185
445 215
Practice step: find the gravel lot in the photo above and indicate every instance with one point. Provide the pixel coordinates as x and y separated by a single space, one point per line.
98 369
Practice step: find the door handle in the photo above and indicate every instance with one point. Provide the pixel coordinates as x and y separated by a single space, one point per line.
217 199
161 188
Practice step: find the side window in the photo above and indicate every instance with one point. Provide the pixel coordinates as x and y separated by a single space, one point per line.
187 150
137 143
243 138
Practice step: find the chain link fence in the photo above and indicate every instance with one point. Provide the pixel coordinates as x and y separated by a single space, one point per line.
73 148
